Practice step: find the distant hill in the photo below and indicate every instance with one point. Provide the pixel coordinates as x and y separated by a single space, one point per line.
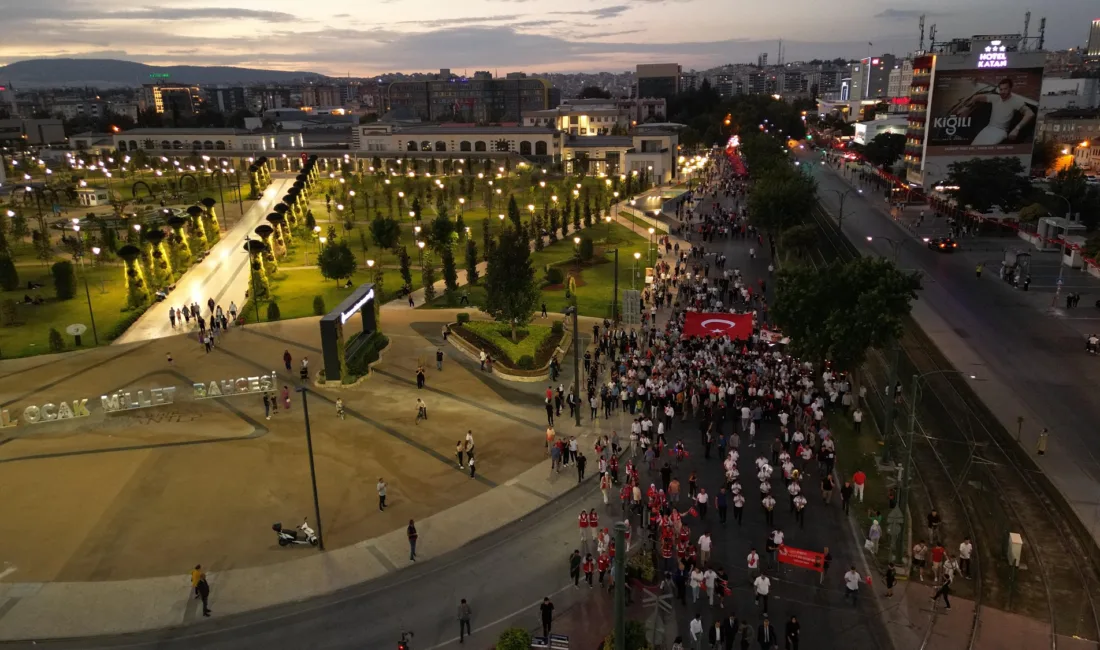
102 73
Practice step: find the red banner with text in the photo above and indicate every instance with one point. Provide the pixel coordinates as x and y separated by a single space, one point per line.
800 557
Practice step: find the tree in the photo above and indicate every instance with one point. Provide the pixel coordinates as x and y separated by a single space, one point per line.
416 208
587 215
385 231
406 272
318 305
576 219
840 312
1032 213
586 249
510 289
781 198
441 233
1044 157
513 212
798 241
64 280
471 262
593 92
337 261
57 344
9 275
427 278
450 272
273 313
981 183
884 149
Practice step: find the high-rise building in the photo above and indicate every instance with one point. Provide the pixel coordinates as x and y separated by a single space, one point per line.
688 81
1092 50
762 60
171 98
228 99
901 77
723 84
658 79
462 99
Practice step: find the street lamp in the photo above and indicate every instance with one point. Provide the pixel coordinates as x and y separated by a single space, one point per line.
462 205
895 244
843 195
572 311
312 470
420 245
634 275
1062 261
903 496
652 231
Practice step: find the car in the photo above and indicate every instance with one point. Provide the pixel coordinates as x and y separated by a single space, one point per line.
942 244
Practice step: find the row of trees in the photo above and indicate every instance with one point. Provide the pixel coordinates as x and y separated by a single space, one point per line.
832 314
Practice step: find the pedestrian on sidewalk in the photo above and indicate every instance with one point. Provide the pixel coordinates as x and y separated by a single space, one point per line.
1041 447
761 586
891 580
851 584
575 568
546 610
920 552
965 549
582 462
766 635
695 628
589 567
439 358
463 621
203 589
381 487
411 533
267 406
846 491
859 479
460 448
721 503
938 554
197 574
944 590
286 359
792 632
473 472
826 561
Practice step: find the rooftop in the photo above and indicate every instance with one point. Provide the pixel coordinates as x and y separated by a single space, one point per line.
1075 114
600 142
475 130
171 131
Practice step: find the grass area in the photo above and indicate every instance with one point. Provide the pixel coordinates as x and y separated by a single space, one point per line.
294 291
859 451
595 279
641 227
107 287
536 342
366 353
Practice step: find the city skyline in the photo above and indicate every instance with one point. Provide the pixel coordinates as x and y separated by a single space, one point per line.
501 36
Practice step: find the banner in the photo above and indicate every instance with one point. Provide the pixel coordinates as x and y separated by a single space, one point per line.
735 326
802 558
769 336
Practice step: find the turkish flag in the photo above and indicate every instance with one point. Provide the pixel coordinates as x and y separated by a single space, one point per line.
736 326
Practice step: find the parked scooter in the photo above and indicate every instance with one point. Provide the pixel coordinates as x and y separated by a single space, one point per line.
302 535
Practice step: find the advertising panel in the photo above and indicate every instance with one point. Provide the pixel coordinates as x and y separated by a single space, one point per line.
802 558
984 103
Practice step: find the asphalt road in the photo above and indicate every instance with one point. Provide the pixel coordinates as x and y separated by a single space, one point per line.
1038 358
504 576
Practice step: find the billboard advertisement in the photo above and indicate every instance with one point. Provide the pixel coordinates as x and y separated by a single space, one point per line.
984 103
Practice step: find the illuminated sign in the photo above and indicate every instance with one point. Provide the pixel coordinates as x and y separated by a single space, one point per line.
346 316
159 75
874 61
994 56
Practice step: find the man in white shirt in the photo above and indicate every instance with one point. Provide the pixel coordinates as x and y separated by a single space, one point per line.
753 562
1004 105
851 584
709 579
761 586
965 549
704 548
696 630
857 420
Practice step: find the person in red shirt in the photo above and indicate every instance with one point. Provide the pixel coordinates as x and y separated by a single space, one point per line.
603 563
583 521
666 555
685 534
858 480
593 521
937 553
588 566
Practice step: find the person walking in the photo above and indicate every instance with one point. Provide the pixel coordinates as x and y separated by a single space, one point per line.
582 462
460 448
381 487
738 507
891 580
714 636
439 358
575 568
851 584
721 503
588 567
546 612
859 479
761 586
791 633
267 406
411 533
765 635
965 549
920 552
463 621
287 359
473 472
203 590
944 590
695 629
846 491
197 574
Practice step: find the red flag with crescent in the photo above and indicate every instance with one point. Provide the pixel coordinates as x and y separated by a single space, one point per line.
736 326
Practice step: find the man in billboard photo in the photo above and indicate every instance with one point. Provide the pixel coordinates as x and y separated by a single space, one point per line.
1004 106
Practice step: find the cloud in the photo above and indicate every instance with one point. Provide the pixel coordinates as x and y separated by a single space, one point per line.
195 13
602 12
465 20
901 14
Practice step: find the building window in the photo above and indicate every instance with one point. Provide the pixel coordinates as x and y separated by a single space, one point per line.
525 148
425 146
176 144
164 144
208 145
122 145
440 145
464 146
220 145
411 146
133 145
540 148
479 145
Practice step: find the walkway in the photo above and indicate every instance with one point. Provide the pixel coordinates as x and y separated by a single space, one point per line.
223 275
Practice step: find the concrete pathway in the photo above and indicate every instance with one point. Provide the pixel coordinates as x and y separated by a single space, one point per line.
223 275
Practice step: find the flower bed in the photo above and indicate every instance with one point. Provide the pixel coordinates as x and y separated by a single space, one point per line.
533 350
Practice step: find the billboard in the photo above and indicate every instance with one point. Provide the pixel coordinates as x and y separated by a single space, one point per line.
984 103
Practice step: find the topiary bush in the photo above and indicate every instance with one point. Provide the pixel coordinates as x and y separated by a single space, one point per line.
273 311
635 638
9 276
463 317
318 306
514 638
526 362
64 280
587 249
557 327
57 344
9 313
554 275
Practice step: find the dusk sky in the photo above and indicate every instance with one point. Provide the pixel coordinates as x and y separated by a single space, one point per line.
362 38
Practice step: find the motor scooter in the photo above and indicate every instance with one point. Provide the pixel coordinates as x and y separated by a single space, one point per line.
302 535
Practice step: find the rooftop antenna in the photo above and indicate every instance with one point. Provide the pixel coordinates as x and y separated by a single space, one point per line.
779 58
932 37
921 48
1042 32
1027 24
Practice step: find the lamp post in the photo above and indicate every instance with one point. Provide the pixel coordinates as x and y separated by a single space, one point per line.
843 195
607 232
312 469
87 293
620 586
577 249
633 225
572 311
634 275
903 496
317 236
1062 261
892 369
420 246
650 254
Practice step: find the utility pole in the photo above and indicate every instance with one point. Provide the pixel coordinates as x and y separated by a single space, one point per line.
312 470
903 494
615 295
576 364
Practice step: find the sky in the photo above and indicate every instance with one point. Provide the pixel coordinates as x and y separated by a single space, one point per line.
367 37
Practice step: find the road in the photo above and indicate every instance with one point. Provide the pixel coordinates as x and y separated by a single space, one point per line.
223 275
1033 362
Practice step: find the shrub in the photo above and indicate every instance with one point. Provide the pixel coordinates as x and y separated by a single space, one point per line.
9 313
273 311
318 306
557 327
57 344
359 363
587 250
515 638
121 326
64 280
526 362
463 317
641 566
554 275
9 276
635 638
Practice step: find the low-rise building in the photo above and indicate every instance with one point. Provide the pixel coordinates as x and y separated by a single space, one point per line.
1070 126
90 197
21 132
590 117
651 148
387 138
206 140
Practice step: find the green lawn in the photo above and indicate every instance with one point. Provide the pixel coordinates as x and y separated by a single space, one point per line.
107 286
532 340
294 291
596 279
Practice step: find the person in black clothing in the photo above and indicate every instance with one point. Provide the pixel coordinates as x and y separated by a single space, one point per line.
721 503
666 475
846 495
547 611
581 461
944 590
730 627
765 634
791 633
203 588
574 569
420 377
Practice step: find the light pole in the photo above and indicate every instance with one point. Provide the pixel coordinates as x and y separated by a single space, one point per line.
650 254
620 586
892 369
1062 261
634 275
420 246
903 496
572 310
312 470
843 195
